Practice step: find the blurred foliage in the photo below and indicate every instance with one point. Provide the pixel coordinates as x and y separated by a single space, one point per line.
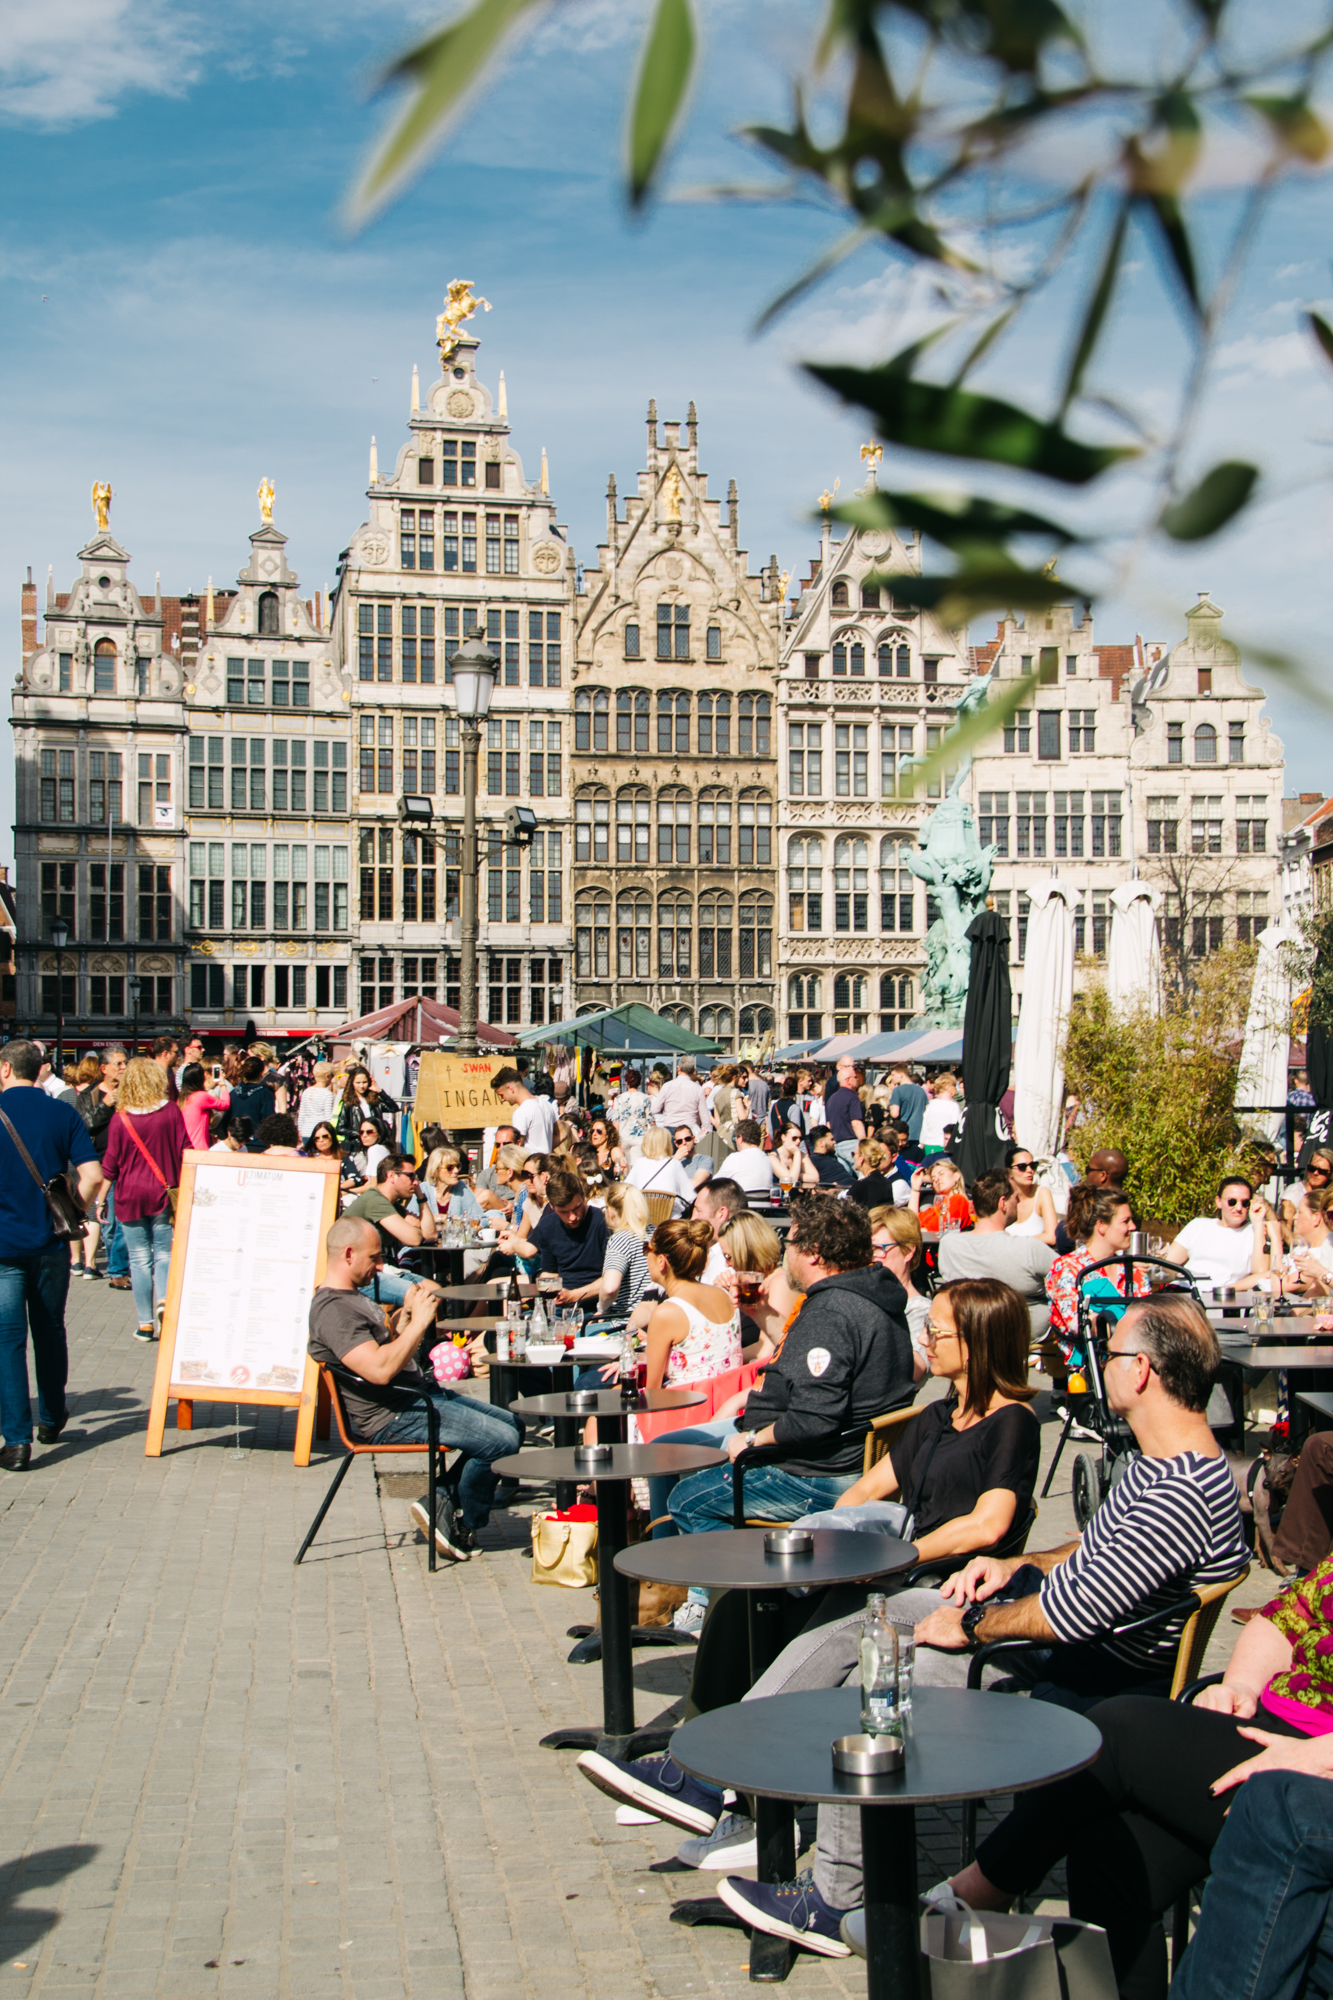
1163 1087
988 151
1310 965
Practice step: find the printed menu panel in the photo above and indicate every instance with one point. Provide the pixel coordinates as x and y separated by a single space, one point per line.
249 1270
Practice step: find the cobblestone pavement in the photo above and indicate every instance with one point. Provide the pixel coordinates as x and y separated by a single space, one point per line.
224 1776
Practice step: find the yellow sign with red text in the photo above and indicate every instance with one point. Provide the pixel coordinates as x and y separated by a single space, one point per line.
455 1091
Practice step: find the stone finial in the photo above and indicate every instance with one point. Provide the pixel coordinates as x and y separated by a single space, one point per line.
50 588
374 463
546 478
502 406
652 423
416 391
210 604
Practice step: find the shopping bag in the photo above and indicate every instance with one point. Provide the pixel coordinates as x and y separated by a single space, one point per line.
564 1548
982 1955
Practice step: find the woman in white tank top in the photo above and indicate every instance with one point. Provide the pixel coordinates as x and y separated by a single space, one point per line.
696 1331
1036 1210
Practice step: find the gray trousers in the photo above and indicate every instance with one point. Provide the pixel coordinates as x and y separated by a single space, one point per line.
826 1657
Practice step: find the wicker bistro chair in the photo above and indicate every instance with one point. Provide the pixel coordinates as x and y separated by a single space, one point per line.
1204 1607
389 1396
659 1207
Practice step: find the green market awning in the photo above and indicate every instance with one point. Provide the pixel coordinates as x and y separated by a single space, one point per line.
628 1030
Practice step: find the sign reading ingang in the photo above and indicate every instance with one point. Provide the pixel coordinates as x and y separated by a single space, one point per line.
455 1091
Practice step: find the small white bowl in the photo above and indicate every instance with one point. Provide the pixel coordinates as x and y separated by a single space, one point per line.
545 1355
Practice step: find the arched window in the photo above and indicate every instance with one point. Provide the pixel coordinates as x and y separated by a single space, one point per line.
1205 744
802 992
673 937
592 935
715 829
839 593
722 725
269 626
858 660
632 722
633 813
840 658
592 826
897 884
756 1022
756 936
705 725
849 1001
104 667
682 1016
673 708
756 828
805 880
634 916
673 828
896 1003
590 717
870 596
716 1023
715 910
753 717
851 886
904 661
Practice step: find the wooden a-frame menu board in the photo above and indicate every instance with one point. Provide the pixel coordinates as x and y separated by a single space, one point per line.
247 1254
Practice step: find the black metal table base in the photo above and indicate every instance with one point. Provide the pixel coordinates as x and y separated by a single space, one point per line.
589 1637
645 1742
888 1857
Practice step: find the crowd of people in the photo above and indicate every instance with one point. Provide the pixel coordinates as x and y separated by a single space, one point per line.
655 1207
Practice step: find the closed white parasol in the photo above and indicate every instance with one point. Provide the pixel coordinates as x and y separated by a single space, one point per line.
1048 988
1262 1077
1134 960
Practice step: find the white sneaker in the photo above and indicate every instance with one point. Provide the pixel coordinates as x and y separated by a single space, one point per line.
631 1816
688 1617
733 1843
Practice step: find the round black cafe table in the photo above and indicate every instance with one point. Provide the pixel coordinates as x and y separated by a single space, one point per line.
609 1410
959 1745
611 1479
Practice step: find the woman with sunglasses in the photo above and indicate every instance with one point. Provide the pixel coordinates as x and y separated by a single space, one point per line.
1224 1249
445 1190
322 1144
1101 1222
370 1150
895 1244
1036 1209
605 1141
791 1163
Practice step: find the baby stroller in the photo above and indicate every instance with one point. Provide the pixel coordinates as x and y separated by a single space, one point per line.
1095 1473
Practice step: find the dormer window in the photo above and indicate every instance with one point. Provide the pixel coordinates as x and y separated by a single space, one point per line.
425 472
104 667
870 596
269 626
839 595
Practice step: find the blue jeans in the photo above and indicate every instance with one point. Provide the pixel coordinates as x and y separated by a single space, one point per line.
390 1286
664 1484
32 1300
1264 1930
148 1245
477 1430
113 1236
704 1499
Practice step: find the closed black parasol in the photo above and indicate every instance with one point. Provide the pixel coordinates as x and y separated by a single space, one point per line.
987 1047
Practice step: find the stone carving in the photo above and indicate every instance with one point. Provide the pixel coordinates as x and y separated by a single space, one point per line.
673 567
958 868
374 550
458 403
546 559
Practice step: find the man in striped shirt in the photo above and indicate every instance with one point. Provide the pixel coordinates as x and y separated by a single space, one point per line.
1169 1526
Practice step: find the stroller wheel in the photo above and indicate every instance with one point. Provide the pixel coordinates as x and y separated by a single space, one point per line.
1088 1493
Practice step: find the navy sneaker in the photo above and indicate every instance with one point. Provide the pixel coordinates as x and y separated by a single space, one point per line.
793 1910
657 1786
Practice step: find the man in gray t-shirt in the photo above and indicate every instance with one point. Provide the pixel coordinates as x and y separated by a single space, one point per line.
989 1252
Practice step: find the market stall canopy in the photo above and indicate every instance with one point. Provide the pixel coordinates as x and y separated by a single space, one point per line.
934 1045
417 1020
629 1030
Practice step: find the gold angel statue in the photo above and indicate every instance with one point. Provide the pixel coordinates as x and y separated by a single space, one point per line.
266 498
872 453
459 305
102 503
671 494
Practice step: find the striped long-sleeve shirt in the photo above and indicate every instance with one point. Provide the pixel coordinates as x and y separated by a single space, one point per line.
1171 1525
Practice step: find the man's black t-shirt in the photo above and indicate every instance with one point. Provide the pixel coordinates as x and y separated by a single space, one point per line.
875 1191
1002 1450
832 1172
841 1106
578 1254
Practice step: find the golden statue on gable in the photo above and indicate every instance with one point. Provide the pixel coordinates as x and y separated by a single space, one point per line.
266 499
102 504
459 305
872 453
671 494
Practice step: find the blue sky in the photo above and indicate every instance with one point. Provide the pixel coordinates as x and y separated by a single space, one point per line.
184 312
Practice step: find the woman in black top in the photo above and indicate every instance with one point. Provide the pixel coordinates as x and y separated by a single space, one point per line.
361 1100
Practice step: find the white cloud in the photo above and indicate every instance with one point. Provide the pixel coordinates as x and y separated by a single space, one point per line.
71 60
1274 355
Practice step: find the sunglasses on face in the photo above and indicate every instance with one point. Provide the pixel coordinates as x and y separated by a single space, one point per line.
1236 1204
935 1333
1322 1173
1024 1166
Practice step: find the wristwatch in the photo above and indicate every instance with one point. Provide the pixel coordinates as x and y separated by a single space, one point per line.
749 1437
972 1617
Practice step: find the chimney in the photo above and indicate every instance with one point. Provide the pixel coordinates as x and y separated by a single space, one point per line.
733 517
28 615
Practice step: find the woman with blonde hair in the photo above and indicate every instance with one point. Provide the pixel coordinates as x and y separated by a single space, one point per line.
624 1269
658 1171
446 1192
895 1245
144 1144
950 1208
750 1244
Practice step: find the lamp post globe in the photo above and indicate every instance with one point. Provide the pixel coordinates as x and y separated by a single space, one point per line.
473 668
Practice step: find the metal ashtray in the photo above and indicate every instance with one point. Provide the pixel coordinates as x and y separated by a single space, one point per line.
867 1756
789 1542
1225 1294
592 1455
582 1399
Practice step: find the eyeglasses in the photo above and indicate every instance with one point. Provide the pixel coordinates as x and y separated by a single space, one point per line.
1323 1173
1024 1166
1131 1354
1235 1204
881 1250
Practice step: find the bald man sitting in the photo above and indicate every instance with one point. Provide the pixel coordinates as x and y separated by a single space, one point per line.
1106 1168
352 1330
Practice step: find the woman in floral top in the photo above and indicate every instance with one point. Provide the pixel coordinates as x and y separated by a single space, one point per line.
630 1113
1101 1222
1139 1825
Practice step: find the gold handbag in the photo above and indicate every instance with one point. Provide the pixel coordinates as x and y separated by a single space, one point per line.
564 1552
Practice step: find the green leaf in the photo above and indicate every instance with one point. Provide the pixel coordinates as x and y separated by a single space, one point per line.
821 267
1165 211
984 722
982 346
986 583
442 68
1322 332
925 416
664 76
1097 306
1219 495
954 520
1294 125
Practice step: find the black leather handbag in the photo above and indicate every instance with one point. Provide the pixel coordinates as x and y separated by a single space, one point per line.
67 1218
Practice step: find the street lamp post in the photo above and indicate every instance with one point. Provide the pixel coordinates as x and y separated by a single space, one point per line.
473 668
134 1004
60 938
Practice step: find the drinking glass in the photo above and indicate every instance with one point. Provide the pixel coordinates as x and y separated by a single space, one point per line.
906 1665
